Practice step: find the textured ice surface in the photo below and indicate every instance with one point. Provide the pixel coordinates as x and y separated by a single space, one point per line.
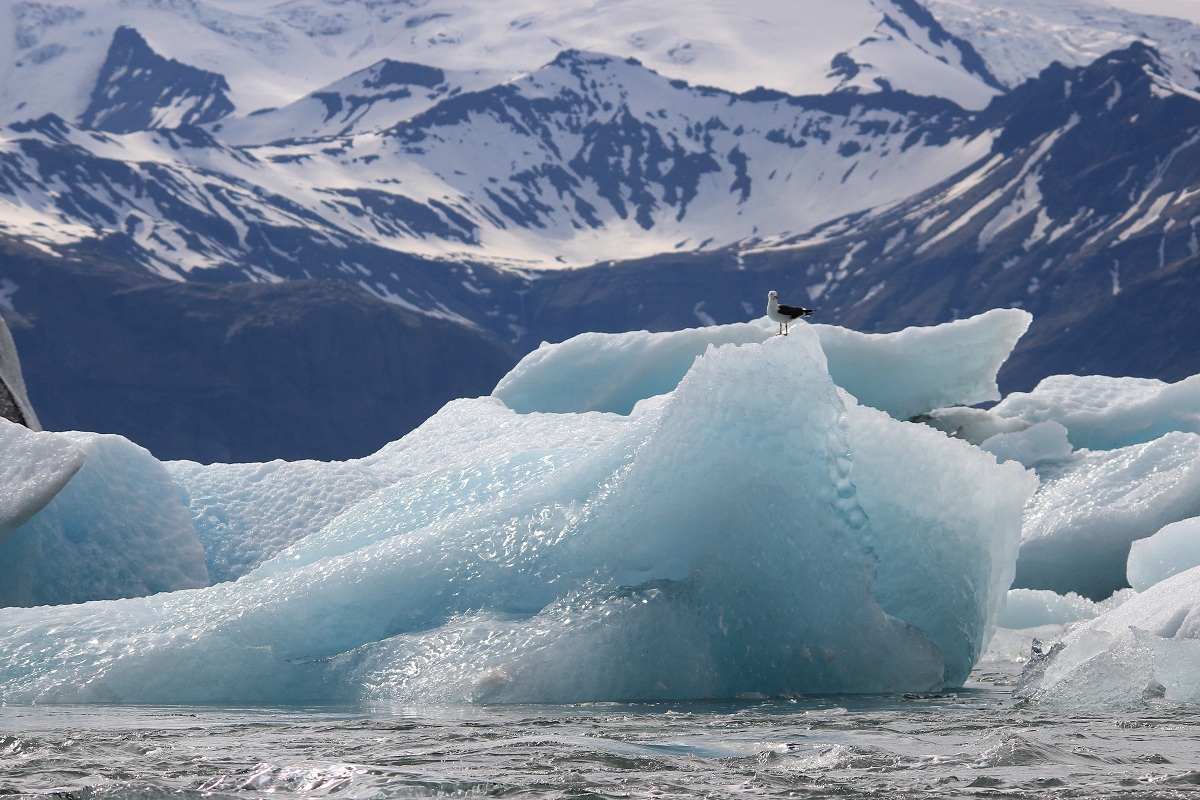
34 466
940 532
1090 508
1147 648
905 373
1102 413
246 513
754 530
1174 549
118 528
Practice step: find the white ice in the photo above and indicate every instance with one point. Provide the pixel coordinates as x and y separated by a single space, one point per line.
1040 443
754 528
1032 618
1102 413
33 468
1173 549
907 373
1089 509
1146 649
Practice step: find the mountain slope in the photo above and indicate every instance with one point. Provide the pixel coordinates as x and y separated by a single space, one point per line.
138 89
232 372
590 158
415 174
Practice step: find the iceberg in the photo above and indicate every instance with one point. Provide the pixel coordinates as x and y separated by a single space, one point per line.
742 525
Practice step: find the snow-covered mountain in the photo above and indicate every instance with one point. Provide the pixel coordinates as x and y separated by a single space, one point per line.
590 158
526 171
274 53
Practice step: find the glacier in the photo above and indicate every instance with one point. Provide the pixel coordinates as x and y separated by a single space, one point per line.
753 528
704 513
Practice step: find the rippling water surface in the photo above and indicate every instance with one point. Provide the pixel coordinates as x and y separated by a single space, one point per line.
976 742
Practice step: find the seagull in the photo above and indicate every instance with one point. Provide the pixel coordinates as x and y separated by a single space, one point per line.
783 314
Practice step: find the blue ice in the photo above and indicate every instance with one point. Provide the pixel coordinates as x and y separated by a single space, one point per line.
713 515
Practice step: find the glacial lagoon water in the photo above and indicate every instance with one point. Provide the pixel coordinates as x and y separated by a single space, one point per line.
974 742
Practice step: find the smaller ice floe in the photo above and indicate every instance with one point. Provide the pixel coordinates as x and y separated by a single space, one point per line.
1007 439
1148 648
1040 443
904 373
34 466
1102 413
974 425
117 528
1174 549
1091 507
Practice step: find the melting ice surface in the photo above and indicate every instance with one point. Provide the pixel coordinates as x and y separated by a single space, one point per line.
696 514
735 523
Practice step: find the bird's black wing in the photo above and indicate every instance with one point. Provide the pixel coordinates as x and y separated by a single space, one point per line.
794 311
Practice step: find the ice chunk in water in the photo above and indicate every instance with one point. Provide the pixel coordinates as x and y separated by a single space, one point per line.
1148 647
1091 507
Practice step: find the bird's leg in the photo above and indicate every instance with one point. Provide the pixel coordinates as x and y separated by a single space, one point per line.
785 329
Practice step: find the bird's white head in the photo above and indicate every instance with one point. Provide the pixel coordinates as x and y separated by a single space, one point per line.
772 295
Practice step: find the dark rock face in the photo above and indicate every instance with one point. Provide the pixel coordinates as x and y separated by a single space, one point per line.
236 372
138 89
